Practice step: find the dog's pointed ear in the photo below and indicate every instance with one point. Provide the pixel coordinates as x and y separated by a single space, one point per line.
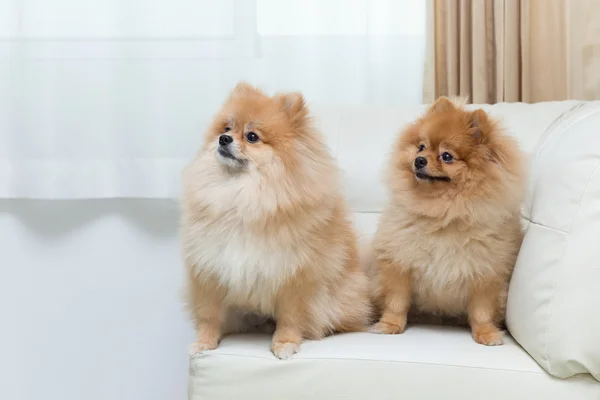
293 105
483 130
243 88
479 125
442 104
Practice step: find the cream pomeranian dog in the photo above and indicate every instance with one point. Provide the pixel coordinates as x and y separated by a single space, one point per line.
265 229
447 241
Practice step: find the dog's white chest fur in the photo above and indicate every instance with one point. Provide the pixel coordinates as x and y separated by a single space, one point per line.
252 267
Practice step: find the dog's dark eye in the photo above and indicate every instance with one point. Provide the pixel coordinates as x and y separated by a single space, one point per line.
252 137
421 148
227 129
447 157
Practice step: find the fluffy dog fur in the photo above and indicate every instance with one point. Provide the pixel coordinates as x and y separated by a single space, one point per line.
265 230
448 239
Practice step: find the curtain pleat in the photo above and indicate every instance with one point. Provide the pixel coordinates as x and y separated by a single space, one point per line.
514 50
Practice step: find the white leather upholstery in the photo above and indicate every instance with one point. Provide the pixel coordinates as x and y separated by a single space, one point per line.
554 301
424 363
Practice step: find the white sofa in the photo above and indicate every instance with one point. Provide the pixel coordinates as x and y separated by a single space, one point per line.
554 300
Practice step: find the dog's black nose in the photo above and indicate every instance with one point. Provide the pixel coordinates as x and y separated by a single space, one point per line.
420 162
224 140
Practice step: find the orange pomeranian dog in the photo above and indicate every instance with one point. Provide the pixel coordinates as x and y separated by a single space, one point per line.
449 237
265 230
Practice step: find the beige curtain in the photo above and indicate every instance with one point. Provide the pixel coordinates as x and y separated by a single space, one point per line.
513 50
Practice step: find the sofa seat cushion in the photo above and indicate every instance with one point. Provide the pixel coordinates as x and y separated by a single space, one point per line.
425 362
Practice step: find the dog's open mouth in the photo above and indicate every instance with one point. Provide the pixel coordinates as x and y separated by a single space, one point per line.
431 178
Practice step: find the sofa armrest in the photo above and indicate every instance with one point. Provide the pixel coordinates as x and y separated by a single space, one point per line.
554 298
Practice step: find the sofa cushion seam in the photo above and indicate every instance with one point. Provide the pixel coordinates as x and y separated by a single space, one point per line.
378 360
545 226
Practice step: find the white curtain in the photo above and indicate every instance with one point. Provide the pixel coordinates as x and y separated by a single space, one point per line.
109 98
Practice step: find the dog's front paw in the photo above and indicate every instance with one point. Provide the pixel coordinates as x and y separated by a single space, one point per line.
488 335
386 328
199 347
284 350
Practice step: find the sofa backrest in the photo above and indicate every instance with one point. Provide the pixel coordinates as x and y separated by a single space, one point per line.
361 138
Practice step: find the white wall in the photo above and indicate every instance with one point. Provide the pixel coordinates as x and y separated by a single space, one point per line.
89 301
